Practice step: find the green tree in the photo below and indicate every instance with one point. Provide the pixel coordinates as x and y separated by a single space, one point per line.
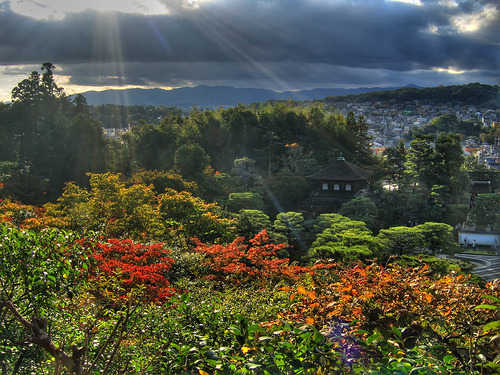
435 208
472 164
247 200
81 106
401 240
346 232
436 162
251 222
358 131
449 152
400 207
153 146
444 124
284 192
288 228
28 90
296 161
37 89
485 211
360 208
191 160
48 85
344 240
84 150
438 237
490 134
54 141
421 163
393 162
451 171
435 170
244 169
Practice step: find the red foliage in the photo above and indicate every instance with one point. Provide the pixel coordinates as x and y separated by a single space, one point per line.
133 265
240 262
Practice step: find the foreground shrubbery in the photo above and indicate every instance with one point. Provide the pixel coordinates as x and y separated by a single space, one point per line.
120 307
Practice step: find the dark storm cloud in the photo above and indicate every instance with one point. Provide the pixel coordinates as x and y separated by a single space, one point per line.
249 40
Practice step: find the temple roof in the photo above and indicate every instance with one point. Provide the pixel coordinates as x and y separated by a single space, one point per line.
341 170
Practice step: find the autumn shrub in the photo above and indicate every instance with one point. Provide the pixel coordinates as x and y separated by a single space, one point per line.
110 206
18 213
241 262
161 180
185 216
437 312
323 319
122 265
31 217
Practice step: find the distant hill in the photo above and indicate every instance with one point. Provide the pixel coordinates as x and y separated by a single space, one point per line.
473 93
211 96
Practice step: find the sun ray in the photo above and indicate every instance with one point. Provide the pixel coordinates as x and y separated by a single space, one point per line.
217 30
161 38
107 49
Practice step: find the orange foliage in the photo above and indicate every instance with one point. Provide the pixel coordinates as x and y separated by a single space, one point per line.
18 213
374 297
240 262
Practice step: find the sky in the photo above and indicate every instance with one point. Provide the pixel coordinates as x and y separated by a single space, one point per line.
273 44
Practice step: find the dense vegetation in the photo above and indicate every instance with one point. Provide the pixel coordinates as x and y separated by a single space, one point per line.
92 305
178 249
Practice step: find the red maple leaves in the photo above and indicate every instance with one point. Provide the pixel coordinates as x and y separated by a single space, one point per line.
131 266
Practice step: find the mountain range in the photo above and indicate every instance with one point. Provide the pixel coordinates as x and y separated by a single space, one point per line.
212 96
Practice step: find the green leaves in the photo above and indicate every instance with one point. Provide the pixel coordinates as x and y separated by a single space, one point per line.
38 266
494 325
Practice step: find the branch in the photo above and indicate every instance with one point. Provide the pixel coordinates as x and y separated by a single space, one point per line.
40 337
101 351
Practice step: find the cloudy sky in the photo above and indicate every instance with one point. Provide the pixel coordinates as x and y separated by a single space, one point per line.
275 44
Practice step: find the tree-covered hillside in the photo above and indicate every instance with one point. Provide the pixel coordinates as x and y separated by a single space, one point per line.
472 93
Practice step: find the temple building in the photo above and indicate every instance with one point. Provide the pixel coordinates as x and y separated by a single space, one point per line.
337 183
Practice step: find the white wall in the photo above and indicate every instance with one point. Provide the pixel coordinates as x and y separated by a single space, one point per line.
481 238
